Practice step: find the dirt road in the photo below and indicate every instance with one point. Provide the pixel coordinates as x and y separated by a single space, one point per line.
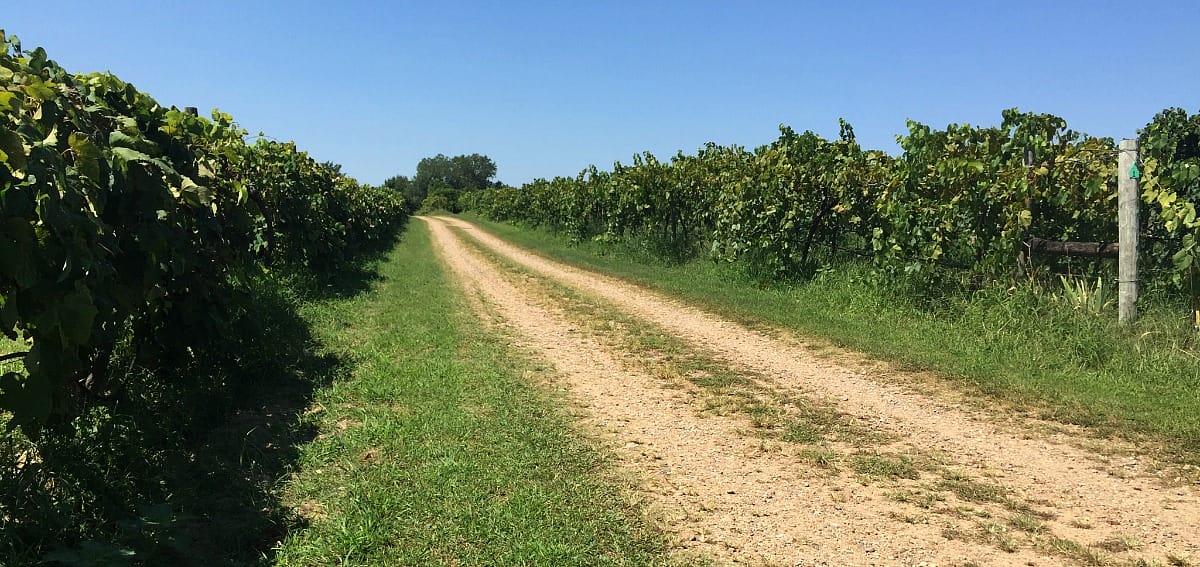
753 449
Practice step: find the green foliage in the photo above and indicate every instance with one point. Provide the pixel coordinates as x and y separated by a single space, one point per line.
441 198
173 471
1085 296
1170 151
313 217
120 217
461 173
800 192
142 250
450 456
964 199
957 204
666 207
399 183
1031 346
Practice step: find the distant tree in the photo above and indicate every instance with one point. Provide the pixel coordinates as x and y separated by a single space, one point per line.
459 173
402 185
472 172
441 197
397 183
449 176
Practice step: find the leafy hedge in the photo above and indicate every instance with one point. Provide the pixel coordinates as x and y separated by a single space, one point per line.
959 201
123 221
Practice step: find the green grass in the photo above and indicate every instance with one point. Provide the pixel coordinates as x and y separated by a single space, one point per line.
1119 544
359 420
1027 523
975 491
1074 550
884 466
1027 347
922 497
10 346
440 450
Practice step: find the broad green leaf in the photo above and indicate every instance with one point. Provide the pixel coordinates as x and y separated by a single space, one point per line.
51 139
195 195
18 245
126 124
1025 218
39 90
29 398
120 139
87 156
10 102
128 155
76 313
14 149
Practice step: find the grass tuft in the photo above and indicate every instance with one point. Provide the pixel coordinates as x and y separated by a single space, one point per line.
884 466
1119 544
1074 550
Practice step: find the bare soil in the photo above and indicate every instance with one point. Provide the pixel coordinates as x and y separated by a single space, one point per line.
975 486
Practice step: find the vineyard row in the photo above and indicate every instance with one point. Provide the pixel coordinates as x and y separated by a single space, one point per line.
125 224
962 202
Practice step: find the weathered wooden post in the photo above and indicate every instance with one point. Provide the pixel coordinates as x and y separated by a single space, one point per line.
1025 253
1128 200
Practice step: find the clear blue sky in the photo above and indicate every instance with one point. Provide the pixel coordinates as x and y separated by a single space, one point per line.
546 88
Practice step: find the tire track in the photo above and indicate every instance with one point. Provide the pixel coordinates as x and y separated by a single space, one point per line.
720 493
1091 504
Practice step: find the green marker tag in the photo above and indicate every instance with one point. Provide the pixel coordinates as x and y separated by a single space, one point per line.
1134 172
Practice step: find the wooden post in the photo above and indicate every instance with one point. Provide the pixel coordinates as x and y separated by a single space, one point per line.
1025 254
1128 200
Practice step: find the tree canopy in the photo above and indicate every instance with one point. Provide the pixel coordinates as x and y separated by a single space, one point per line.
456 174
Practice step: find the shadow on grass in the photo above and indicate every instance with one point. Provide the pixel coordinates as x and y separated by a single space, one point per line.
348 280
180 466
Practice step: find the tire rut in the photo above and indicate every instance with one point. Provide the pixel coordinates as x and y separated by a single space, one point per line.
736 501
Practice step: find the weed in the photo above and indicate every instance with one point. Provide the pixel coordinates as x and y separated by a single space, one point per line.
884 466
1118 544
954 533
802 432
1082 295
1178 560
1143 562
907 519
1027 523
997 535
974 491
920 498
823 457
1073 550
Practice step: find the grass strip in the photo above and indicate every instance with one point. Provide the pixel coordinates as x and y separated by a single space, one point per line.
440 451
